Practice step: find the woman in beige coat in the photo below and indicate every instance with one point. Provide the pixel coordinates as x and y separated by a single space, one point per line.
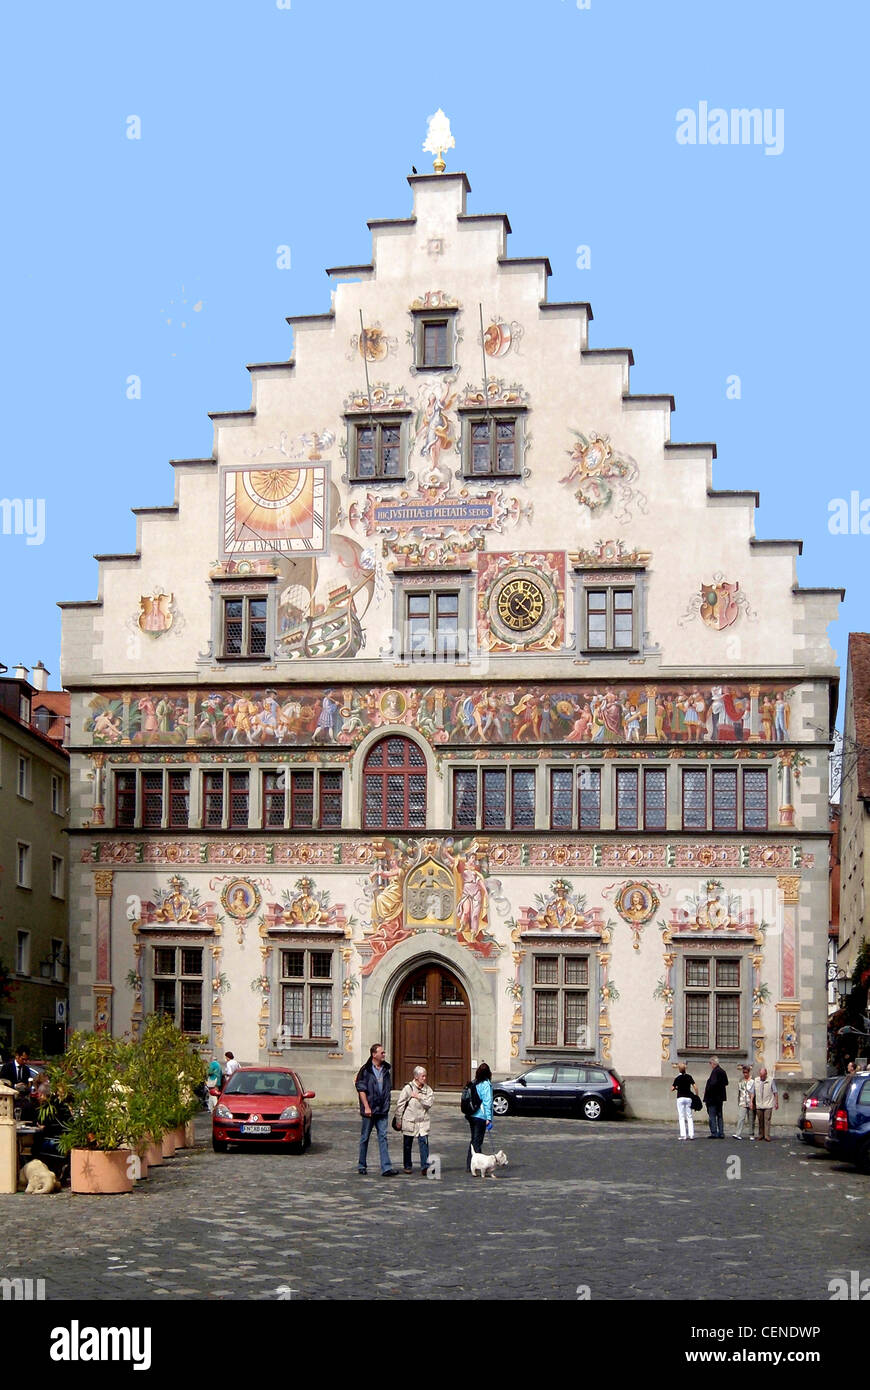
412 1108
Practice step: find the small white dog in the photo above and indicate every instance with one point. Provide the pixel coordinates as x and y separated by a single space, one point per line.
38 1177
481 1164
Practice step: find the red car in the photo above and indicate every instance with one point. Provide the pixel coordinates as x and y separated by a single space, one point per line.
262 1105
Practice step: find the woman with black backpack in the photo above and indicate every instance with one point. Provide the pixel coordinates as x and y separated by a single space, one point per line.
479 1118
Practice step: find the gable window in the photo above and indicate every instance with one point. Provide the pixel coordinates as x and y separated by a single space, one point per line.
609 619
377 449
394 786
713 1003
432 625
492 444
177 975
244 626
434 339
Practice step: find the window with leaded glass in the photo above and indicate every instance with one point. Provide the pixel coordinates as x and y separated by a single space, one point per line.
274 798
179 798
377 450
523 799
754 799
494 799
178 985
465 797
561 798
330 798
213 798
125 798
655 799
152 798
244 626
561 1001
626 799
725 798
394 786
307 1004
694 799
435 343
238 799
491 445
590 798
713 1003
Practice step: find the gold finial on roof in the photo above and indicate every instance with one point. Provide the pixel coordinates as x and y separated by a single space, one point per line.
438 139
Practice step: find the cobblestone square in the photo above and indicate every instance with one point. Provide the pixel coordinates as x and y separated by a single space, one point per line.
606 1211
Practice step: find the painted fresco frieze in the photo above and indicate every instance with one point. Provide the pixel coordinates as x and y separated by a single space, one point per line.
603 478
573 714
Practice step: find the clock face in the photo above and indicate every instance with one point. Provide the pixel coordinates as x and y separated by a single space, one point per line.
520 604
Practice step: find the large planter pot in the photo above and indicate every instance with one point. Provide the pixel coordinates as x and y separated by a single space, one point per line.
180 1137
169 1144
189 1135
98 1171
154 1155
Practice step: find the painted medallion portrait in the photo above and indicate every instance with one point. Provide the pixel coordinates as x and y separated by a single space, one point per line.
240 899
636 903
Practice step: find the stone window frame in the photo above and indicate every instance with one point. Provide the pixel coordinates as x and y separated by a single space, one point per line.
479 768
361 420
708 767
180 977
421 318
317 770
245 586
308 942
461 581
472 415
713 950
540 945
138 772
632 577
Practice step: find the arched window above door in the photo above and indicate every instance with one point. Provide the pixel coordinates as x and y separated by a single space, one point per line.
394 785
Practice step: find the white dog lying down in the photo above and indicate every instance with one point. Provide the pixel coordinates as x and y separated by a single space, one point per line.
481 1164
38 1177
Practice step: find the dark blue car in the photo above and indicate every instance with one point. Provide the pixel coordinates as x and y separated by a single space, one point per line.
849 1124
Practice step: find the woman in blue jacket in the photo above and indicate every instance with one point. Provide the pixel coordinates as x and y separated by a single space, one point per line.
482 1117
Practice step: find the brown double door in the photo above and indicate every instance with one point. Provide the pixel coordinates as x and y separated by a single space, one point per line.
432 1029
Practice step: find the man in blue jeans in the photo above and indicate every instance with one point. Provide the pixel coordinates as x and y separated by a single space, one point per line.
373 1089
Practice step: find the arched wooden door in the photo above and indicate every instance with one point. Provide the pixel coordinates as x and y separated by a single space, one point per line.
432 1028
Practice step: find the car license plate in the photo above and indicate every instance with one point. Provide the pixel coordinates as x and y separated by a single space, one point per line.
256 1129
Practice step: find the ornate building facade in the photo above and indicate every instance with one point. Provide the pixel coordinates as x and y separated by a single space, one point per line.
449 705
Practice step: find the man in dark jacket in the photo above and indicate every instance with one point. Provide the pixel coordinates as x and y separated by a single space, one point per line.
714 1098
373 1090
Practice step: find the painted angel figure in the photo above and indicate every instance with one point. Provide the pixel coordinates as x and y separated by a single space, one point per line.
435 431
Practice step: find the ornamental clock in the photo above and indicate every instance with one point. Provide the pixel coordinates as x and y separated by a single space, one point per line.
521 607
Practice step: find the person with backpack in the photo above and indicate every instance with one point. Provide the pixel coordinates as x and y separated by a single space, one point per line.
479 1115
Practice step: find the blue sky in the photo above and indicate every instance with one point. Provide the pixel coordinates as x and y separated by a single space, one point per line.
264 126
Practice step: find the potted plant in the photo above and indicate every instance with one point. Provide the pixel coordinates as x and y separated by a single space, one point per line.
168 1069
92 1081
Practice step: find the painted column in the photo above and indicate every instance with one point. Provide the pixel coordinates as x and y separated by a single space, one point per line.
125 717
103 987
786 802
754 721
99 808
788 1007
650 736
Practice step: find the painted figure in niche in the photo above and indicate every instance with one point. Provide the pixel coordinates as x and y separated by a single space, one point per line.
781 718
726 716
434 431
471 913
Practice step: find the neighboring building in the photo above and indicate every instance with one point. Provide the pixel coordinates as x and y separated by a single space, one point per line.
449 705
34 797
855 804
